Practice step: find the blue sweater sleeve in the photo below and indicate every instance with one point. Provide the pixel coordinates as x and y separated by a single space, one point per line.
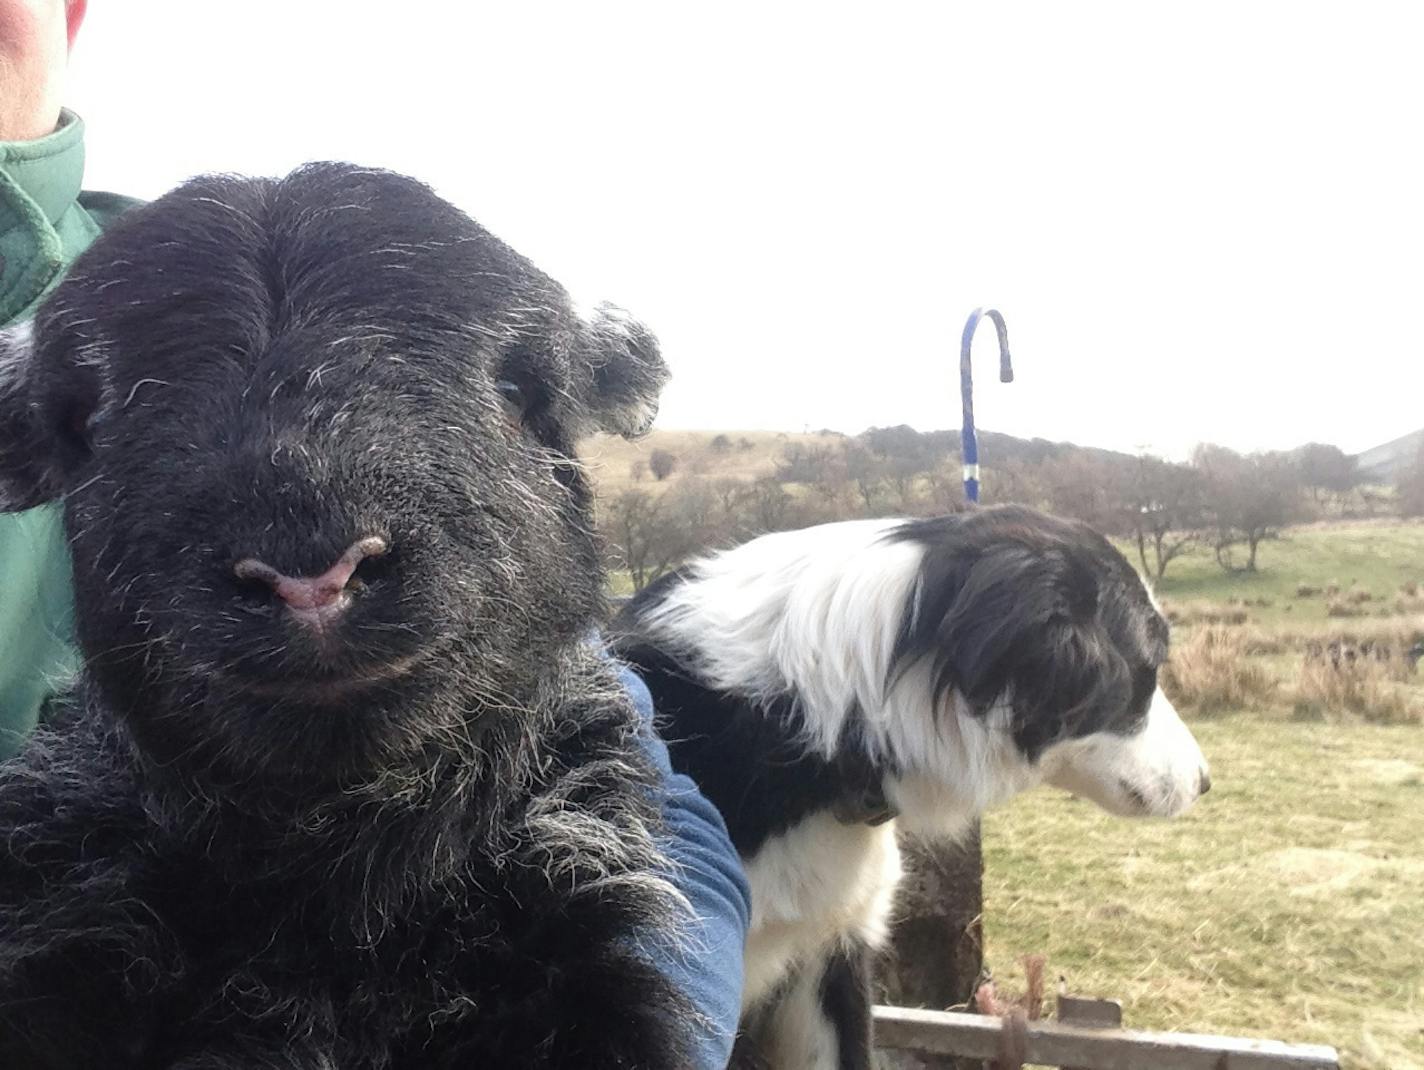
707 963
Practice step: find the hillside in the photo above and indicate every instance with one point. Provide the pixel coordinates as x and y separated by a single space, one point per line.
618 464
1384 463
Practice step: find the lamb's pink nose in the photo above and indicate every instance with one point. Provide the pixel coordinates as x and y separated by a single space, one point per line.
314 599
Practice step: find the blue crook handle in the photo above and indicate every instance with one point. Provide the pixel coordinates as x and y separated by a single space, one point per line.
968 439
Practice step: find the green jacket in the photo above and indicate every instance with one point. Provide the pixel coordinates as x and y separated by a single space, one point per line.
45 222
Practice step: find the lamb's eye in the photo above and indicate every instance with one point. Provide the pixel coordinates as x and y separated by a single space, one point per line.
76 427
512 394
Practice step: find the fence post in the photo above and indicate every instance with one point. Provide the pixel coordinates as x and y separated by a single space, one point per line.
936 948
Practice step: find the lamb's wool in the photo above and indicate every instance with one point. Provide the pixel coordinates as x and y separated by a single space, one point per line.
414 830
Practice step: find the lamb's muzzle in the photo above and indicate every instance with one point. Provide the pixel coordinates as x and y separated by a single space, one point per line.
316 600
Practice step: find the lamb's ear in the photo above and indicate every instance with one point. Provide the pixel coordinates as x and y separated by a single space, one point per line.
625 372
26 477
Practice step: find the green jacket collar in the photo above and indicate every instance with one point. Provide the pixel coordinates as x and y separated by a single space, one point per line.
39 184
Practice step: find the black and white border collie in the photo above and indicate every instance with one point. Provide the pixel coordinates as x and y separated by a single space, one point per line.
825 686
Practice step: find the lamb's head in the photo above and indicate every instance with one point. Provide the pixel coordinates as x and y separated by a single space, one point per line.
313 438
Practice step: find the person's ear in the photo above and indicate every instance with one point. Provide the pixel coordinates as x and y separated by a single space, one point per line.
74 12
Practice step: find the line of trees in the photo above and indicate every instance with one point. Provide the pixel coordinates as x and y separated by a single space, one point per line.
1222 502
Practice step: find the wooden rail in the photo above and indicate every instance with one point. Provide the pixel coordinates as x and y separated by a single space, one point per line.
976 1036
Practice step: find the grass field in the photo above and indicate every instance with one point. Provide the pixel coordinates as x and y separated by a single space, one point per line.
1372 557
1290 902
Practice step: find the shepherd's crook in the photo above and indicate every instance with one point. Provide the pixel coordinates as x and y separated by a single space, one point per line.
967 436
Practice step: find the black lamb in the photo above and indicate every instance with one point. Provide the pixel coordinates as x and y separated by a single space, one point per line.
342 784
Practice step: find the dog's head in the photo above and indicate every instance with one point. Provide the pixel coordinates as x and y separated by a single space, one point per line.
1038 630
314 441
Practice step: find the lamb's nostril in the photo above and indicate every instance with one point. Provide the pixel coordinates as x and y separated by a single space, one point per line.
254 573
1204 783
326 593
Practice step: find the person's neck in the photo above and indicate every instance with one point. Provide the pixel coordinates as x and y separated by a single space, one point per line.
16 129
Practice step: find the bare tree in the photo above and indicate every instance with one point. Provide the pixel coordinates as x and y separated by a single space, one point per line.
1013 480
1250 499
904 476
1326 470
768 506
661 462
867 471
1166 509
694 519
634 528
1081 486
821 469
730 495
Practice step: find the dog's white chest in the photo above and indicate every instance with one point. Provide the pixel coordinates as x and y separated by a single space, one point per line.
811 885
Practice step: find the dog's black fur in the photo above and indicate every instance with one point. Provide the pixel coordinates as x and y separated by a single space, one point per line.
420 838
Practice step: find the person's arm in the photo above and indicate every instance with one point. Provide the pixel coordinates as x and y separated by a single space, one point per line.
707 964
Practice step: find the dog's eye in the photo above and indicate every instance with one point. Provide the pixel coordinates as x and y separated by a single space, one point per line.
512 395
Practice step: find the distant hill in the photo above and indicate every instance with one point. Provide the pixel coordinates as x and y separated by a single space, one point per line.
618 464
1384 464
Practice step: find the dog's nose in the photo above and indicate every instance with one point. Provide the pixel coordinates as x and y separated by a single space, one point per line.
1203 782
315 600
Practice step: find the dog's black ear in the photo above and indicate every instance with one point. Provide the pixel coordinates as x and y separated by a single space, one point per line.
1021 623
621 371
43 421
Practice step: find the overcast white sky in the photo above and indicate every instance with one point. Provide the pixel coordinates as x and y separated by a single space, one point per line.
1202 221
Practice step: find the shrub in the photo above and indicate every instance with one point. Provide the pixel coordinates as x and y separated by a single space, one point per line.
1363 687
1205 613
1212 672
661 463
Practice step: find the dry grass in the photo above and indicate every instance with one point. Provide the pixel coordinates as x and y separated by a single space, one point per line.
1192 613
1343 607
1408 604
1369 632
1370 689
1259 642
1212 672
